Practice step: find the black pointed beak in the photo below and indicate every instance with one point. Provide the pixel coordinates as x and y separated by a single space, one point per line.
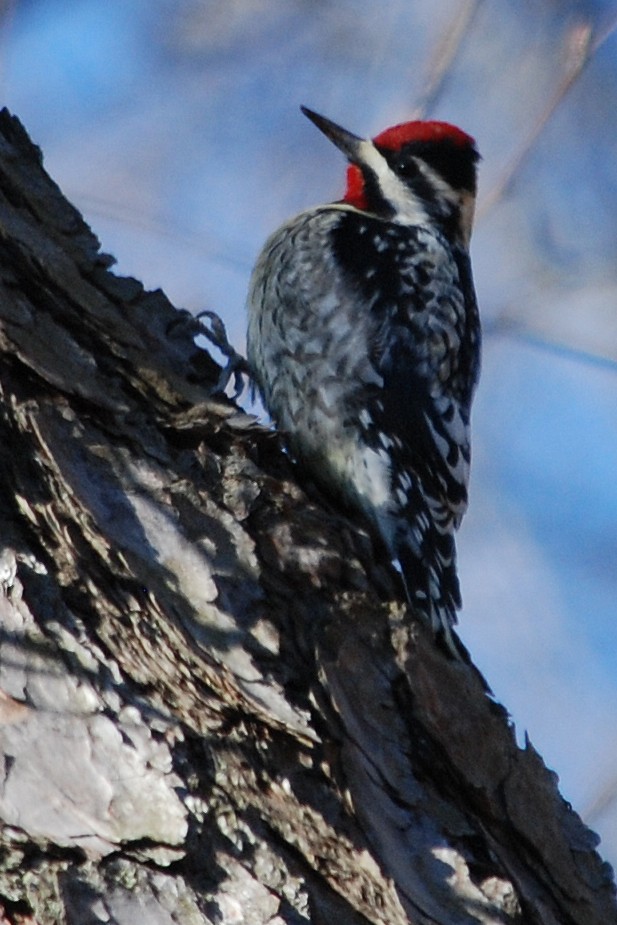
347 142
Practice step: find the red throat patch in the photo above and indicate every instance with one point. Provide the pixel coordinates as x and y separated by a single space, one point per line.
354 193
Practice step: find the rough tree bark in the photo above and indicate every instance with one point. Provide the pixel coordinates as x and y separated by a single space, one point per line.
213 704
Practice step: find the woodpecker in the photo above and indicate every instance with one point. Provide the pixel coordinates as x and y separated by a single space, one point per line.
364 342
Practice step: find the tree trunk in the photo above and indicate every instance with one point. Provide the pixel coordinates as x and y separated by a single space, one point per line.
214 706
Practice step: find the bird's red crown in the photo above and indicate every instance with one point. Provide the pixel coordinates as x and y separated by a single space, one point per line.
392 139
398 135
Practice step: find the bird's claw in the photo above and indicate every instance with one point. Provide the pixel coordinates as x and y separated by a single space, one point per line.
236 365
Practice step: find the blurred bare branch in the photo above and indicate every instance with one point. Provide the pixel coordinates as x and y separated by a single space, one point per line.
581 44
444 55
212 245
602 803
505 325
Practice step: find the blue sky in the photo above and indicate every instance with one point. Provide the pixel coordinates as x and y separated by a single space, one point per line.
176 129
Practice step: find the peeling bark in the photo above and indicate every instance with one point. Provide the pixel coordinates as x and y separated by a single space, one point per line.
214 706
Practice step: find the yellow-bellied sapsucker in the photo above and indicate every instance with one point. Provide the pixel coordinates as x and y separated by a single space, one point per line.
364 341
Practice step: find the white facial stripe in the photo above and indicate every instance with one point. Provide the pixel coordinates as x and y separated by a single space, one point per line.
461 199
437 181
408 208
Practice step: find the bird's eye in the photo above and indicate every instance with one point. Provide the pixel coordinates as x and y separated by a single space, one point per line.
406 168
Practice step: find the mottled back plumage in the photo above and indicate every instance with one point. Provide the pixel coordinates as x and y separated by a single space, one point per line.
364 341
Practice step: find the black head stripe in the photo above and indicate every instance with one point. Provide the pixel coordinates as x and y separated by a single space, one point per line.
454 162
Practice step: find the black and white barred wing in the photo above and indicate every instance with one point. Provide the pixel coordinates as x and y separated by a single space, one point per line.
362 363
424 346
